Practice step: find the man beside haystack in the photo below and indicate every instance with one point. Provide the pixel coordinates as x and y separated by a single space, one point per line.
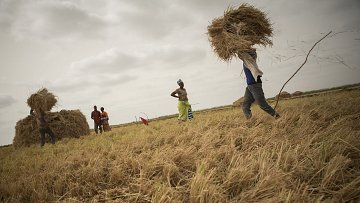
42 101
43 123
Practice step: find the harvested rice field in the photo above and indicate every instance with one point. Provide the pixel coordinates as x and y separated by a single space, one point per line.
310 154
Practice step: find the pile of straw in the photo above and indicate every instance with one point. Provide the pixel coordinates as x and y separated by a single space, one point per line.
297 93
238 30
283 94
239 102
66 123
42 100
310 154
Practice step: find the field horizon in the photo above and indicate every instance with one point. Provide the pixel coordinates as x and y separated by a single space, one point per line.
270 100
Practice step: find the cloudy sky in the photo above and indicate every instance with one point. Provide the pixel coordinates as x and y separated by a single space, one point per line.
128 55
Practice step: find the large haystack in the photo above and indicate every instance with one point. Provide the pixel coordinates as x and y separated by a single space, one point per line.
297 93
42 100
238 30
239 102
66 123
283 95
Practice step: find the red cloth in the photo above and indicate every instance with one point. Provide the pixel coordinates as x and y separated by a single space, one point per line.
144 121
96 116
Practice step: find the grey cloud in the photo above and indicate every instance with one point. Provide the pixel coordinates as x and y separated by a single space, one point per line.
209 6
143 6
115 61
6 101
154 19
207 9
2 123
118 80
68 85
7 13
50 20
80 83
345 5
110 61
175 57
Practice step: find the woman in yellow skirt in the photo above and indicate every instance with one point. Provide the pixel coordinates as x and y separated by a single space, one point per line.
183 104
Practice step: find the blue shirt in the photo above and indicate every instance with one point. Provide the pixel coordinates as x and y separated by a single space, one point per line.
250 80
249 77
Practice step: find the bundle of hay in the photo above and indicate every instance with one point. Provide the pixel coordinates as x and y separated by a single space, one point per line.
238 30
297 93
239 102
42 100
283 95
66 123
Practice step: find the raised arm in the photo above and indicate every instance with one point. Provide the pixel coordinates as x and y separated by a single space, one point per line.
173 94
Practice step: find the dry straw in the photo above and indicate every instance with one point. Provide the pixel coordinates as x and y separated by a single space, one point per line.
238 30
42 100
310 154
66 123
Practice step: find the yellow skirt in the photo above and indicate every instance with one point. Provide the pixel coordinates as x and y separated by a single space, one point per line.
183 107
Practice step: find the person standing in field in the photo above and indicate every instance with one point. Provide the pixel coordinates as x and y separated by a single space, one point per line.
96 116
44 128
105 120
254 91
183 103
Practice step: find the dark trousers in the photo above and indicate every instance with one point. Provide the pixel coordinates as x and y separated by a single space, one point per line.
42 135
97 126
255 93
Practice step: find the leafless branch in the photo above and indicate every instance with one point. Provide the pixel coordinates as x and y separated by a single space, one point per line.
278 97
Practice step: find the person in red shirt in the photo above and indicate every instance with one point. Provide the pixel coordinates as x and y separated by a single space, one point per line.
96 116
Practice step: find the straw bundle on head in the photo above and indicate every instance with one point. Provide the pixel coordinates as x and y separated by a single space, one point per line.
42 100
66 123
238 30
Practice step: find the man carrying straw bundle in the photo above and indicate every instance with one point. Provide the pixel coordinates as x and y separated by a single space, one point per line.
254 91
44 128
42 101
234 35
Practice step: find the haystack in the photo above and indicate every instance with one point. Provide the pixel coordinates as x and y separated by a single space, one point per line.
42 100
65 124
238 102
297 93
238 30
283 95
